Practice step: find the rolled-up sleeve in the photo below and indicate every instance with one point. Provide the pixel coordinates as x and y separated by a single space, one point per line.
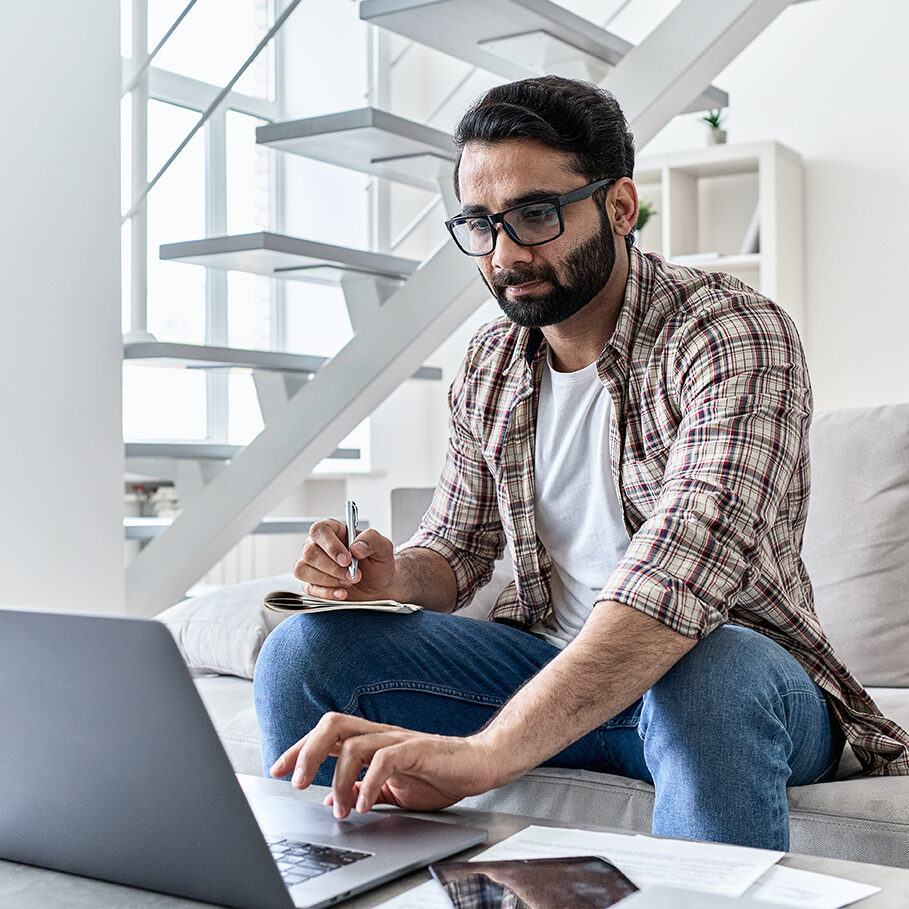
463 523
744 403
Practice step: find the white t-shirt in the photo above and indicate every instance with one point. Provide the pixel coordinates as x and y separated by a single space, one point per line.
577 513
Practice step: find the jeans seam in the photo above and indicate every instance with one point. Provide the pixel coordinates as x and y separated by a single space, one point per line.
811 694
821 699
439 690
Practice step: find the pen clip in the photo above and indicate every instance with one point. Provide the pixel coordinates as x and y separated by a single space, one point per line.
352 516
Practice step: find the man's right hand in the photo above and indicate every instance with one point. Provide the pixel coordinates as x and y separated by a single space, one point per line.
325 561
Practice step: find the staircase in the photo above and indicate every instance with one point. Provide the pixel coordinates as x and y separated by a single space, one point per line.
400 309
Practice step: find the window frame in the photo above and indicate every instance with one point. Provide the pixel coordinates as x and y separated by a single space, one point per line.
173 88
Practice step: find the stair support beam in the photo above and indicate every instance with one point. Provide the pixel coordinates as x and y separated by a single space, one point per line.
673 65
407 328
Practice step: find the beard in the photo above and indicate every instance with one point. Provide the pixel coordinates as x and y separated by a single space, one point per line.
586 269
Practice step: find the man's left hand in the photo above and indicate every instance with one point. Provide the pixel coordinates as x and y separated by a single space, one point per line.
409 769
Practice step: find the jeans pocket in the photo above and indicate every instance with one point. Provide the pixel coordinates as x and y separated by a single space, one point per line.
629 718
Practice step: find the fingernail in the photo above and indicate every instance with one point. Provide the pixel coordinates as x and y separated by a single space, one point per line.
361 804
339 594
298 776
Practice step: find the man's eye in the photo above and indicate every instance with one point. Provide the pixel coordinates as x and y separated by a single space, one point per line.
479 225
537 214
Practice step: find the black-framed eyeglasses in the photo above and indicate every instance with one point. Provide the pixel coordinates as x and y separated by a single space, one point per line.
529 224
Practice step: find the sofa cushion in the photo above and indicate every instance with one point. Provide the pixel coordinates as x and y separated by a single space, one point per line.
229 702
223 630
856 545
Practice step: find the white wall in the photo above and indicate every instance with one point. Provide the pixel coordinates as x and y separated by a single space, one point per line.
61 535
830 78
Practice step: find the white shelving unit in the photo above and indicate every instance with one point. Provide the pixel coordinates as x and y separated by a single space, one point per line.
706 201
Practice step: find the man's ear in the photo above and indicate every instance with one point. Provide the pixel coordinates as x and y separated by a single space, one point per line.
623 213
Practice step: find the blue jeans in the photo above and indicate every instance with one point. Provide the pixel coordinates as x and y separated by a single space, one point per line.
720 736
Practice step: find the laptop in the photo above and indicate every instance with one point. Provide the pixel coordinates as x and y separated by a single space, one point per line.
111 768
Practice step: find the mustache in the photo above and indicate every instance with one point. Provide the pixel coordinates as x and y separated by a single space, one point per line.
512 278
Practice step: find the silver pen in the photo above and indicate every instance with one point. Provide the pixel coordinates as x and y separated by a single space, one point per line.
351 515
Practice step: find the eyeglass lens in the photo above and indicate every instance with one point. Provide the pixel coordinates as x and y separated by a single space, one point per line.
536 222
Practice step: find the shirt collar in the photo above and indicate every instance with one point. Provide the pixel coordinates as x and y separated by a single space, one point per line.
638 289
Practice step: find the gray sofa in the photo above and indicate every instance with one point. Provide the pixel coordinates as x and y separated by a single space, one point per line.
857 552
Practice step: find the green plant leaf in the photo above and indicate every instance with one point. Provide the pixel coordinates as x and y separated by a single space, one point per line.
646 211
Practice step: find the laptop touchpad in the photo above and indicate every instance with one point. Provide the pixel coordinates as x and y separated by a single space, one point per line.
287 816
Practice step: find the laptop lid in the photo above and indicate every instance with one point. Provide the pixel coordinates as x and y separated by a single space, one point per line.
110 768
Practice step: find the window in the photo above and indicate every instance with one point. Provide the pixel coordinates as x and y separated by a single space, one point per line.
220 183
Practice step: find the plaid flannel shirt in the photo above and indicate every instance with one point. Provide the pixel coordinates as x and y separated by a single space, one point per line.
709 450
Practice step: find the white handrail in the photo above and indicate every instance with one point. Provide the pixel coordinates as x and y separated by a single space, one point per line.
415 223
458 86
211 108
146 63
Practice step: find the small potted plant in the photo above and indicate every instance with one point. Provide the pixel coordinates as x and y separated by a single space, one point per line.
646 211
714 119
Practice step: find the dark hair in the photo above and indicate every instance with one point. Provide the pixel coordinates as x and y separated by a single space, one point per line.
564 114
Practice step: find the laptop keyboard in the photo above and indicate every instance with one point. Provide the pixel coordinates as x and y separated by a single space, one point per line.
300 862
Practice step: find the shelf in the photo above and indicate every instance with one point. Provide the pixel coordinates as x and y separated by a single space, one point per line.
196 356
370 141
280 256
716 205
745 262
713 160
207 451
138 528
516 39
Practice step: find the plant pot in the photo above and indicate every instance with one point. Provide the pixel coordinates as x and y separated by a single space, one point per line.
716 136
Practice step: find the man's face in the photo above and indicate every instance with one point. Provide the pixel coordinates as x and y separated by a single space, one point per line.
546 284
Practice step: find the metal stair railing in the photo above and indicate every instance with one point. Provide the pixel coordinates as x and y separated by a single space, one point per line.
206 114
146 63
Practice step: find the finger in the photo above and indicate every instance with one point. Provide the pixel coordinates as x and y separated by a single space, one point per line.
386 762
285 763
372 545
325 740
356 753
386 797
314 558
352 758
331 536
326 593
309 575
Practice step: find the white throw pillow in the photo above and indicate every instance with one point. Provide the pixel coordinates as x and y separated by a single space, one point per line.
223 630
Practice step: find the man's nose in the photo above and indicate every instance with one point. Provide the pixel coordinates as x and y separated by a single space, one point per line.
508 253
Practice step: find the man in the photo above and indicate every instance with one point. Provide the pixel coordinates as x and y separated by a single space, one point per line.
637 432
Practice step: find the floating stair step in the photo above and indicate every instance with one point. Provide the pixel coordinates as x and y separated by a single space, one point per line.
207 451
140 528
280 256
197 356
371 141
516 39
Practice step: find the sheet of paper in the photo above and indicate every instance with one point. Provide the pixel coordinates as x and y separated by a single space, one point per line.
795 887
712 868
427 896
